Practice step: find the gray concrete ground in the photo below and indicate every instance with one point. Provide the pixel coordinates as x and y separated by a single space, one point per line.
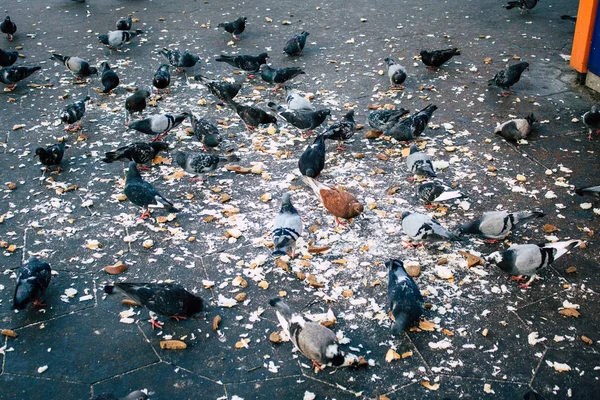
77 346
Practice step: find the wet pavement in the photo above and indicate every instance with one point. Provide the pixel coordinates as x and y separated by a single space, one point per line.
481 337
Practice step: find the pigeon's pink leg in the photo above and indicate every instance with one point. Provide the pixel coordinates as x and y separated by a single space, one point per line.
143 168
145 214
156 324
340 147
178 317
432 68
430 206
251 76
235 37
9 37
491 241
38 303
518 278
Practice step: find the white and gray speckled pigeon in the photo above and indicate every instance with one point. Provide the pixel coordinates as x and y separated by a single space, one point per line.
12 75
143 194
419 163
159 125
32 282
315 341
224 91
116 39
411 127
508 77
51 155
437 192
405 301
287 228
124 24
140 152
396 73
206 132
382 119
73 113
591 120
421 227
521 260
78 66
201 163
498 224
342 130
295 101
180 59
515 129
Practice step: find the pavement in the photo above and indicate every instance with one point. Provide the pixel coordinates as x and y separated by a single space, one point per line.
480 337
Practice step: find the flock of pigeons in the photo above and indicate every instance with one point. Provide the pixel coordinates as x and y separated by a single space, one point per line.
314 340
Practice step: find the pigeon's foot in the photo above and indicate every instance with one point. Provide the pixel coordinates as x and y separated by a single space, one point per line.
306 135
339 222
491 241
340 147
598 132
524 285
159 137
10 37
10 88
180 69
518 278
76 128
156 324
236 38
177 317
197 179
251 76
127 122
432 68
143 168
393 86
38 303
411 178
430 206
250 128
411 245
590 136
145 214
317 365
68 128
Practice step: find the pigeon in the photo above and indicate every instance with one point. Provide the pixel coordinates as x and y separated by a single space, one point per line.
521 260
137 395
252 116
524 5
12 75
143 194
279 75
245 62
508 77
287 228
306 120
205 132
135 103
434 59
315 341
572 18
78 66
423 228
436 192
295 44
51 155
339 203
224 91
32 282
110 79
411 127
159 125
180 59
295 101
162 78
168 299
73 113
312 160
593 191
419 163
396 73
342 130
8 58
201 163
405 301
116 39
383 119
515 129
498 224
124 24
235 28
591 119
8 27
140 152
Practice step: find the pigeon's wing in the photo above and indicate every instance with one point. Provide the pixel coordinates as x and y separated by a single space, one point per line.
313 340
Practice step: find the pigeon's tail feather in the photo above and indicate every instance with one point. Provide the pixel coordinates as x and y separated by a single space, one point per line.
563 248
453 194
275 107
278 253
229 158
527 216
109 289
401 323
512 4
568 18
531 119
223 58
283 308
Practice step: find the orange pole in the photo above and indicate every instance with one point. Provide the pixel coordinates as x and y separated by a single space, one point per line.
582 41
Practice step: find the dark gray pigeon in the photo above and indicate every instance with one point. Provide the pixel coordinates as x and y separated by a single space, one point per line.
32 282
306 120
9 28
411 127
78 66
224 91
312 160
437 192
201 163
137 395
245 62
287 228
279 75
116 39
515 129
524 5
12 75
521 260
135 103
140 152
143 194
206 132
159 125
110 79
419 163
498 224
162 78
421 227
235 28
593 191
434 59
396 73
295 44
73 113
315 341
124 24
295 101
508 77
383 119
51 155
405 301
591 120
342 130
252 116
169 299
180 59
8 58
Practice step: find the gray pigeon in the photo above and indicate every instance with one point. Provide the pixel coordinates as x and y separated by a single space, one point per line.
521 260
306 120
137 395
201 163
295 44
383 119
279 75
419 163
124 24
396 73
295 101
405 301
524 5
78 66
143 194
498 224
508 77
437 192
12 75
73 113
246 62
135 103
591 120
32 282
421 227
116 39
593 191
411 127
436 58
252 116
140 152
224 91
180 59
159 125
515 129
287 228
8 58
315 341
